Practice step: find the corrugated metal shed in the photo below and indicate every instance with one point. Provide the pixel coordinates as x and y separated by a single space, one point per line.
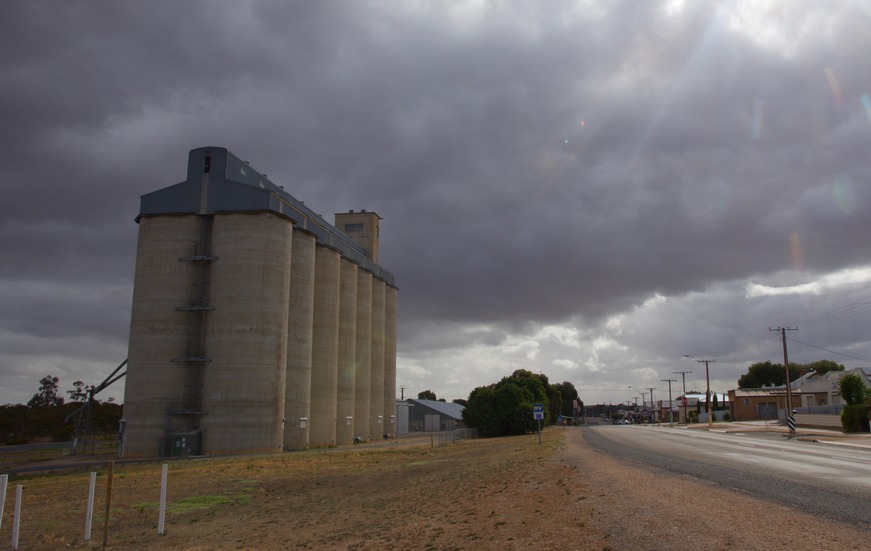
454 411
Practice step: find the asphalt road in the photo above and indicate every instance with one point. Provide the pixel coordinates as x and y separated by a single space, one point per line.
817 478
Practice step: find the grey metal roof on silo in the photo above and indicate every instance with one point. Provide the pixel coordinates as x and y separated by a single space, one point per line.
218 182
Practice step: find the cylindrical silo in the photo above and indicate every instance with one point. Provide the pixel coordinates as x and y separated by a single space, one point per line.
390 296
362 392
377 426
161 331
347 353
246 338
297 399
325 348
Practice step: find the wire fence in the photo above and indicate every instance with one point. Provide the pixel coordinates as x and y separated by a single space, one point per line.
451 436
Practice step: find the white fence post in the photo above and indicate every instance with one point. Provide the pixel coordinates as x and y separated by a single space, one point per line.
4 479
162 516
16 521
89 516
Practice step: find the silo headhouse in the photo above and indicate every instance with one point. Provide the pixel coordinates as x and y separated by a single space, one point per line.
256 326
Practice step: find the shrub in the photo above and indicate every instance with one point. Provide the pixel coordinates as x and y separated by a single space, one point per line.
853 389
854 418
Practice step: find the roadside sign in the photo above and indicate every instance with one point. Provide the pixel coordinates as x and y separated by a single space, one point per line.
538 411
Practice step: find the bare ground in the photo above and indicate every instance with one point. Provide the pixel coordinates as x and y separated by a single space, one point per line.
504 493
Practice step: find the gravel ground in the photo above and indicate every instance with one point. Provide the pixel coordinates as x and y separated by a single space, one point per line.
638 508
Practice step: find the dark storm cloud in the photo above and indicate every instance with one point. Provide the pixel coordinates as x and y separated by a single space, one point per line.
534 163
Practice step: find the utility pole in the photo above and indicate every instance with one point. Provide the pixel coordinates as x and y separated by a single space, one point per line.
651 389
790 419
683 375
670 409
708 391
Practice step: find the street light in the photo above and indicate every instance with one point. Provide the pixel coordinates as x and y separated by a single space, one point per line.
708 379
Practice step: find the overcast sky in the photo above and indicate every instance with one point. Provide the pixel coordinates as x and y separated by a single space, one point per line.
585 189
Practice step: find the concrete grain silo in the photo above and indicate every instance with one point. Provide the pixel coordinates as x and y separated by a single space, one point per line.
363 351
246 333
162 331
390 300
376 368
325 348
252 318
347 356
297 399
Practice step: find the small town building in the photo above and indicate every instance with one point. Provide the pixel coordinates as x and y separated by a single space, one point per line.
434 416
813 394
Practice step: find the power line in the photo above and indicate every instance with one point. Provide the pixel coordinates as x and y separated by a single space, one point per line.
829 351
847 311
761 337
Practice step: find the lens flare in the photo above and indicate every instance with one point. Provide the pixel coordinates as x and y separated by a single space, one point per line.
795 253
866 103
835 87
845 194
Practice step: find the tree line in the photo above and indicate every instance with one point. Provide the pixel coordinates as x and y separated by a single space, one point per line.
766 374
44 415
505 408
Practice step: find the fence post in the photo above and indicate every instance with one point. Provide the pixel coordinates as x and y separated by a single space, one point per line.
89 515
162 515
108 503
4 479
16 520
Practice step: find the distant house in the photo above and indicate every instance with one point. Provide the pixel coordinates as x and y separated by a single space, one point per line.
823 389
433 416
758 404
679 408
810 393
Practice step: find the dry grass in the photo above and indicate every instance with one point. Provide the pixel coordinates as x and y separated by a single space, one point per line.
504 493
478 493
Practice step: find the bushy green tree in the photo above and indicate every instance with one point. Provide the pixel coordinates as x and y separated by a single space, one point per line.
764 374
824 366
853 389
505 408
854 417
568 394
481 413
426 395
